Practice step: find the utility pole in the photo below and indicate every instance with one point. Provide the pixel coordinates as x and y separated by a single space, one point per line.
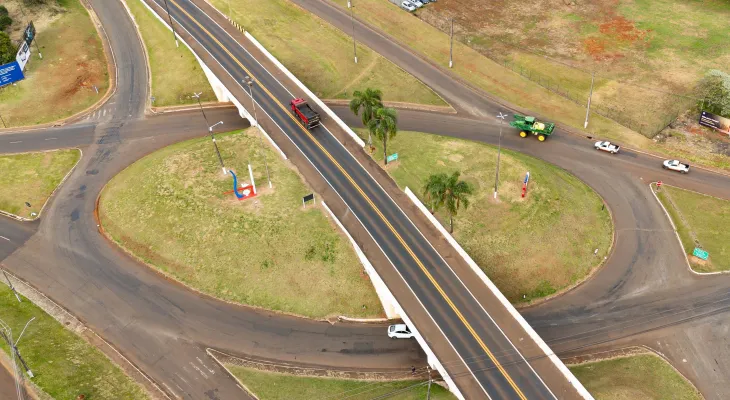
352 18
249 81
1 119
210 130
590 95
174 35
500 116
451 47
428 393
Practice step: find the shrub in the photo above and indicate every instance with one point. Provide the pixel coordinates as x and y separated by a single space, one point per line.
7 49
715 89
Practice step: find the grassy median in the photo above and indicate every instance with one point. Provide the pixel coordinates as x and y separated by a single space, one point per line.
176 73
31 178
170 210
320 55
62 83
704 218
646 377
64 365
276 386
512 240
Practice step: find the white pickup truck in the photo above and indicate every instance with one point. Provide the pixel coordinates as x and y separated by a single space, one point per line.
676 165
607 146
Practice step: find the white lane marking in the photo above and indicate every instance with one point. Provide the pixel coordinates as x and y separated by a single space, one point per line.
17 141
206 367
51 138
3 237
103 114
199 370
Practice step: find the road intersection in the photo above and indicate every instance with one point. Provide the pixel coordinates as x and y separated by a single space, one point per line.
639 296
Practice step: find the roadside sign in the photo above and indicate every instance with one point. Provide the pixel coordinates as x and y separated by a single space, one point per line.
392 157
309 197
701 254
659 184
23 55
10 72
29 33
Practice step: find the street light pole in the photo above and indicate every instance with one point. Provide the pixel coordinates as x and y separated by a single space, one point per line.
428 393
220 159
352 18
590 95
451 46
500 116
249 81
174 35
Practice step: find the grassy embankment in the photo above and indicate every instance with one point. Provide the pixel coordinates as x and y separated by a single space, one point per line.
62 83
514 240
176 73
169 210
64 365
646 377
32 177
276 386
320 55
494 78
705 218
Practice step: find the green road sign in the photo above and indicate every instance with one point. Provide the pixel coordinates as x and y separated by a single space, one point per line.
392 157
699 253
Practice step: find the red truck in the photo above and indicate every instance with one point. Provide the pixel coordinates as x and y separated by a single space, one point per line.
305 113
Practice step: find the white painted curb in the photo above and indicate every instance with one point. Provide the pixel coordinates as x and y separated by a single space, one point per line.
387 296
309 93
510 308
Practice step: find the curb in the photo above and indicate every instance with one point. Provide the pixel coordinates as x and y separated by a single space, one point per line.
344 318
50 196
400 105
681 246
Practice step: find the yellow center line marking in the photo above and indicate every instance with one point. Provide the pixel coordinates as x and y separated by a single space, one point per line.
375 208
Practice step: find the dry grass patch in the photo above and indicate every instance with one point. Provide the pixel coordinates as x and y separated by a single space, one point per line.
512 240
170 210
31 178
62 83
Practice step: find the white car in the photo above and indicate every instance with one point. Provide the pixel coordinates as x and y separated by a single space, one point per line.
676 165
607 146
416 3
399 331
407 5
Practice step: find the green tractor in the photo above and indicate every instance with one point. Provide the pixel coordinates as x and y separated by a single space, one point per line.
528 125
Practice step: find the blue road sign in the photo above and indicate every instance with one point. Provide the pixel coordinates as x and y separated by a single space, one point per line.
699 253
392 157
10 72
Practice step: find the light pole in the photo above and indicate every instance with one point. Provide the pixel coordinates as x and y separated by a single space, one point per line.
1 119
451 46
174 35
249 81
210 129
428 393
352 18
499 152
590 95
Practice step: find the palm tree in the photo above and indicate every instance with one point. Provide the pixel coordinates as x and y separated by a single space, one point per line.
443 190
364 105
384 125
433 191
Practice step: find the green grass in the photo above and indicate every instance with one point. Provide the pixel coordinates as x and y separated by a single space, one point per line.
705 216
61 84
32 177
645 377
169 209
513 241
277 386
64 364
176 73
320 55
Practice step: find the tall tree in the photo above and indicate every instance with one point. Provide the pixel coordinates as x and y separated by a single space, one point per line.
443 190
384 126
364 104
433 191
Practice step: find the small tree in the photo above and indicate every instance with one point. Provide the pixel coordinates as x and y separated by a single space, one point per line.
715 89
7 49
443 190
384 126
364 105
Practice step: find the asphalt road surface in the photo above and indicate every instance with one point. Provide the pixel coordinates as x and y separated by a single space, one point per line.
644 295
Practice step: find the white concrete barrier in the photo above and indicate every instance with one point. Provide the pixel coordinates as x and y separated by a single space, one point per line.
516 315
